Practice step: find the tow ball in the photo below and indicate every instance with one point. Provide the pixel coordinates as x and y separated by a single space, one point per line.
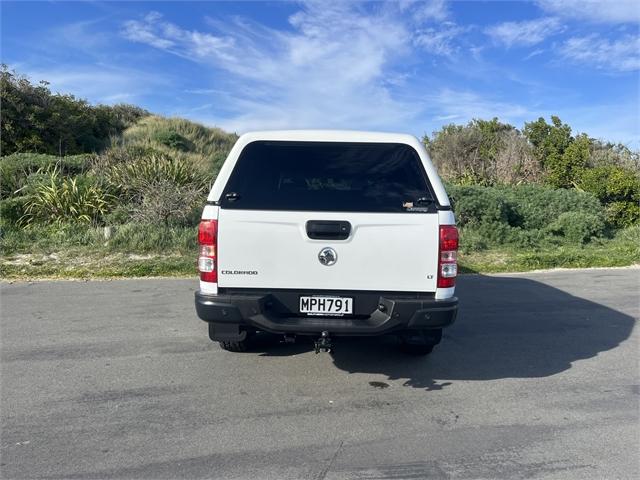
323 343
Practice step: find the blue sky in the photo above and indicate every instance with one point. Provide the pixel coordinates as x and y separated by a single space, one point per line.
406 66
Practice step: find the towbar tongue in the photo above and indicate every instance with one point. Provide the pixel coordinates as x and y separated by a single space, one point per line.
323 343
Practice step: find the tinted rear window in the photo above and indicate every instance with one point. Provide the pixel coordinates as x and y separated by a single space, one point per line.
322 176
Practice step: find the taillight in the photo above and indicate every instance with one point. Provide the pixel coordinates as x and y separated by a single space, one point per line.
448 256
208 240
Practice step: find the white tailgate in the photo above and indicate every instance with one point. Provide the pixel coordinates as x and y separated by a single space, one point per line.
385 251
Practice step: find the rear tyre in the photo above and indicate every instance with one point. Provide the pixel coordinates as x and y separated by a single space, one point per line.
420 342
241 346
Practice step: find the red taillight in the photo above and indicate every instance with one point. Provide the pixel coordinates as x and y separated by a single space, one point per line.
448 256
208 240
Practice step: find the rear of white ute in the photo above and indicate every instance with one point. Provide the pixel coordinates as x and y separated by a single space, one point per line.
327 233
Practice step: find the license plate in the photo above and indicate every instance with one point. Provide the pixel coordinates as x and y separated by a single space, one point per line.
326 305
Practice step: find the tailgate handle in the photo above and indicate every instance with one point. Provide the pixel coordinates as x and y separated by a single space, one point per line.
328 230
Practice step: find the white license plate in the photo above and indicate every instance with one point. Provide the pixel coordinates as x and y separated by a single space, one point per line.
326 305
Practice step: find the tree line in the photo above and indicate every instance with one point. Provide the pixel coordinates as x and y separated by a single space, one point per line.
492 153
34 120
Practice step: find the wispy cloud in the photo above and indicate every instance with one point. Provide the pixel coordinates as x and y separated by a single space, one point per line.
330 69
526 33
534 53
597 11
439 40
621 55
100 83
437 10
158 33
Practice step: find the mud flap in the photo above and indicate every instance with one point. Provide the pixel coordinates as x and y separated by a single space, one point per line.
226 332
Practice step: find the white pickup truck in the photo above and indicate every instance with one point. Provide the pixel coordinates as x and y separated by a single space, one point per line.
327 233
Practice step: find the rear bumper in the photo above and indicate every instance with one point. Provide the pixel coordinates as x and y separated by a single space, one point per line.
375 313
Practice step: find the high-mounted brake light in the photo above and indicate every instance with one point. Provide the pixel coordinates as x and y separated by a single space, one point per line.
208 240
448 256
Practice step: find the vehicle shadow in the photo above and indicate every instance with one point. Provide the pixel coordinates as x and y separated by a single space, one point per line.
506 328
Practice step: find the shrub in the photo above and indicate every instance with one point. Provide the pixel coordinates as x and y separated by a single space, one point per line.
36 120
623 214
167 202
475 205
617 187
15 169
156 187
526 216
578 227
172 139
12 209
132 178
483 152
537 206
59 199
563 170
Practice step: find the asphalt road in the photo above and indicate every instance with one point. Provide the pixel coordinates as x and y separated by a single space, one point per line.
537 379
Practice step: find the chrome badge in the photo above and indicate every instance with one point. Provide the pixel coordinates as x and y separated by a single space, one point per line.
328 256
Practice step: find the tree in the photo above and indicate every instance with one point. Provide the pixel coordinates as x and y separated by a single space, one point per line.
564 170
549 141
561 156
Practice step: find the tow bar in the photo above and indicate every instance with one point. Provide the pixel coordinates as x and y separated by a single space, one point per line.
323 343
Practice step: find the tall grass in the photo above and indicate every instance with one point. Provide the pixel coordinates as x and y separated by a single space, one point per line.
203 146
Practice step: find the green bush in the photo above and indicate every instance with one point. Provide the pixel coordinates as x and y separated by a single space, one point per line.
12 209
536 206
476 205
527 216
64 199
15 169
36 120
618 188
158 188
623 214
578 227
172 139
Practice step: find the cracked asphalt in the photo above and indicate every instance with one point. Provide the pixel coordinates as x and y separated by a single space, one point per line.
117 379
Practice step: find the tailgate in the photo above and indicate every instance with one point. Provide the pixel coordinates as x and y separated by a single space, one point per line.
272 249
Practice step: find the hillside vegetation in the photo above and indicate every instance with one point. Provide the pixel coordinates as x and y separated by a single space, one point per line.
111 191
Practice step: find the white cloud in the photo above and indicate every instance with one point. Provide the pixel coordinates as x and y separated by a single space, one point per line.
330 71
439 41
164 35
618 55
534 53
436 10
597 11
97 83
527 33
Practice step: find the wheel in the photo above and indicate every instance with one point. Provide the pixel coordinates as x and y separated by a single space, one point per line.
420 342
241 346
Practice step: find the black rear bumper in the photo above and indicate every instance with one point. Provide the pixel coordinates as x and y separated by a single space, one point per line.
375 313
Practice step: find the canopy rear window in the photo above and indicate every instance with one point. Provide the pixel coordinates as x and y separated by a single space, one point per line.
327 176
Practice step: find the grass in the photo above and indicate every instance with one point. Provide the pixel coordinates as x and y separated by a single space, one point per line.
201 146
622 250
83 264
142 251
